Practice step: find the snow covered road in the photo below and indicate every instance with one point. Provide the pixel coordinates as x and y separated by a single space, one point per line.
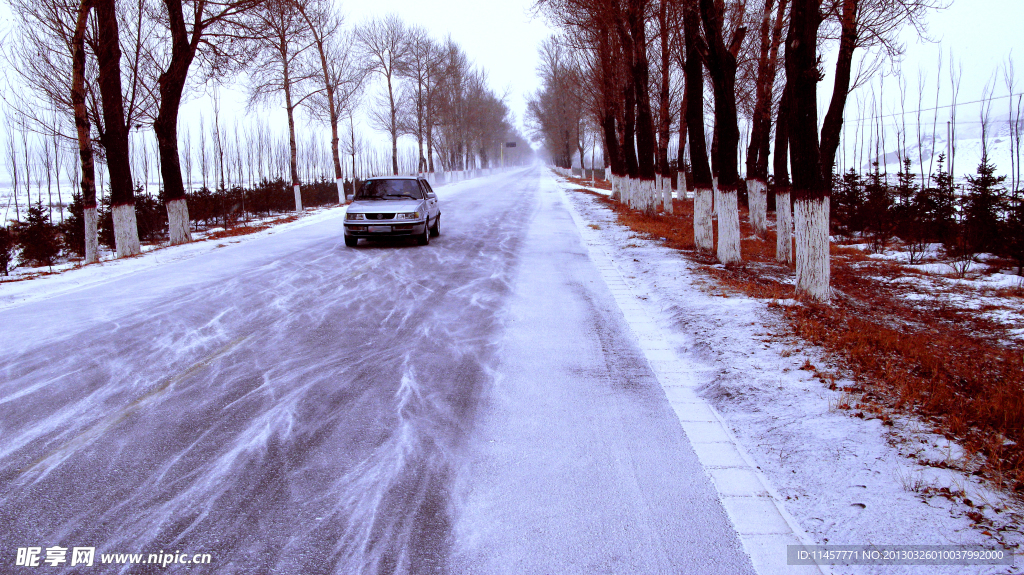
290 405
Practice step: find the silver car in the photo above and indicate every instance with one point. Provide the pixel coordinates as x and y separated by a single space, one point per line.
391 206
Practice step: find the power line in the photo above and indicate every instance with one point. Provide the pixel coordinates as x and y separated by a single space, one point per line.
936 108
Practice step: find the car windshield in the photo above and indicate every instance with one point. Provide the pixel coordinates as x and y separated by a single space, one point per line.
390 190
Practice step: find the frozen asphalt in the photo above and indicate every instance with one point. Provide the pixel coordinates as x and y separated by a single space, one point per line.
290 405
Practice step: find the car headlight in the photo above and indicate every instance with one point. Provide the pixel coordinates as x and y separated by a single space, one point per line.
409 216
355 216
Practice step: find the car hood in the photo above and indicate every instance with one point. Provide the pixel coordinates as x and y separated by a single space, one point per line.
384 206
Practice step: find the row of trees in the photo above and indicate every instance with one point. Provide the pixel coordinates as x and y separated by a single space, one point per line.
641 69
104 69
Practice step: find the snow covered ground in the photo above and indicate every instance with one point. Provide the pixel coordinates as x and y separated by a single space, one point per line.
845 480
536 391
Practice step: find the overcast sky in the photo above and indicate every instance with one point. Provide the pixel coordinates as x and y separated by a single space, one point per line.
502 36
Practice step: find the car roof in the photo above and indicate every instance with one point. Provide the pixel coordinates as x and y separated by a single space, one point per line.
394 178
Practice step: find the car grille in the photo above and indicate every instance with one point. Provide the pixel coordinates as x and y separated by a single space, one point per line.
380 216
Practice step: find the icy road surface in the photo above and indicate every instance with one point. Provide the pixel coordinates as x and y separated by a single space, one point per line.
290 405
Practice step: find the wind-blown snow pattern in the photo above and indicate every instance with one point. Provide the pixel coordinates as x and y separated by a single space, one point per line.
291 405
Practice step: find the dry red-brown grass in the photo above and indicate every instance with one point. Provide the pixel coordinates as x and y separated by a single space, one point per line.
250 229
951 366
237 231
599 184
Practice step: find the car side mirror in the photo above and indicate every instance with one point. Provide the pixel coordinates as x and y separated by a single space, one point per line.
431 195
348 198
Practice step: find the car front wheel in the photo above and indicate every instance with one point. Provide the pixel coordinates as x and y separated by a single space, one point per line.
424 238
351 241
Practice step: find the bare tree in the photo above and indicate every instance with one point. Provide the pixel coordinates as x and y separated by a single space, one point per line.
12 166
770 37
83 129
423 61
186 144
52 46
284 38
811 194
861 24
702 179
664 97
340 73
783 203
556 112
721 63
353 143
115 135
385 45
208 35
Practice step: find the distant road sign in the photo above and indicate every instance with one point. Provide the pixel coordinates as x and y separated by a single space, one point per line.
510 144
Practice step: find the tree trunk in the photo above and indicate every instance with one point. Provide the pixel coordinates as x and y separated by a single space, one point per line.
394 128
722 66
292 148
811 197
645 136
757 171
703 229
83 129
115 134
832 126
783 213
663 100
681 186
171 85
613 152
335 154
629 141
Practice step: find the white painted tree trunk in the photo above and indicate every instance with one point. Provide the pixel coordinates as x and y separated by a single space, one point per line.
812 248
666 191
757 198
126 231
177 222
728 227
703 228
616 188
341 190
298 197
627 191
92 240
714 206
783 228
651 196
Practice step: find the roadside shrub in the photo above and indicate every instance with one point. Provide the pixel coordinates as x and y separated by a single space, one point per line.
848 205
72 229
8 248
878 209
105 223
39 238
984 205
151 216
